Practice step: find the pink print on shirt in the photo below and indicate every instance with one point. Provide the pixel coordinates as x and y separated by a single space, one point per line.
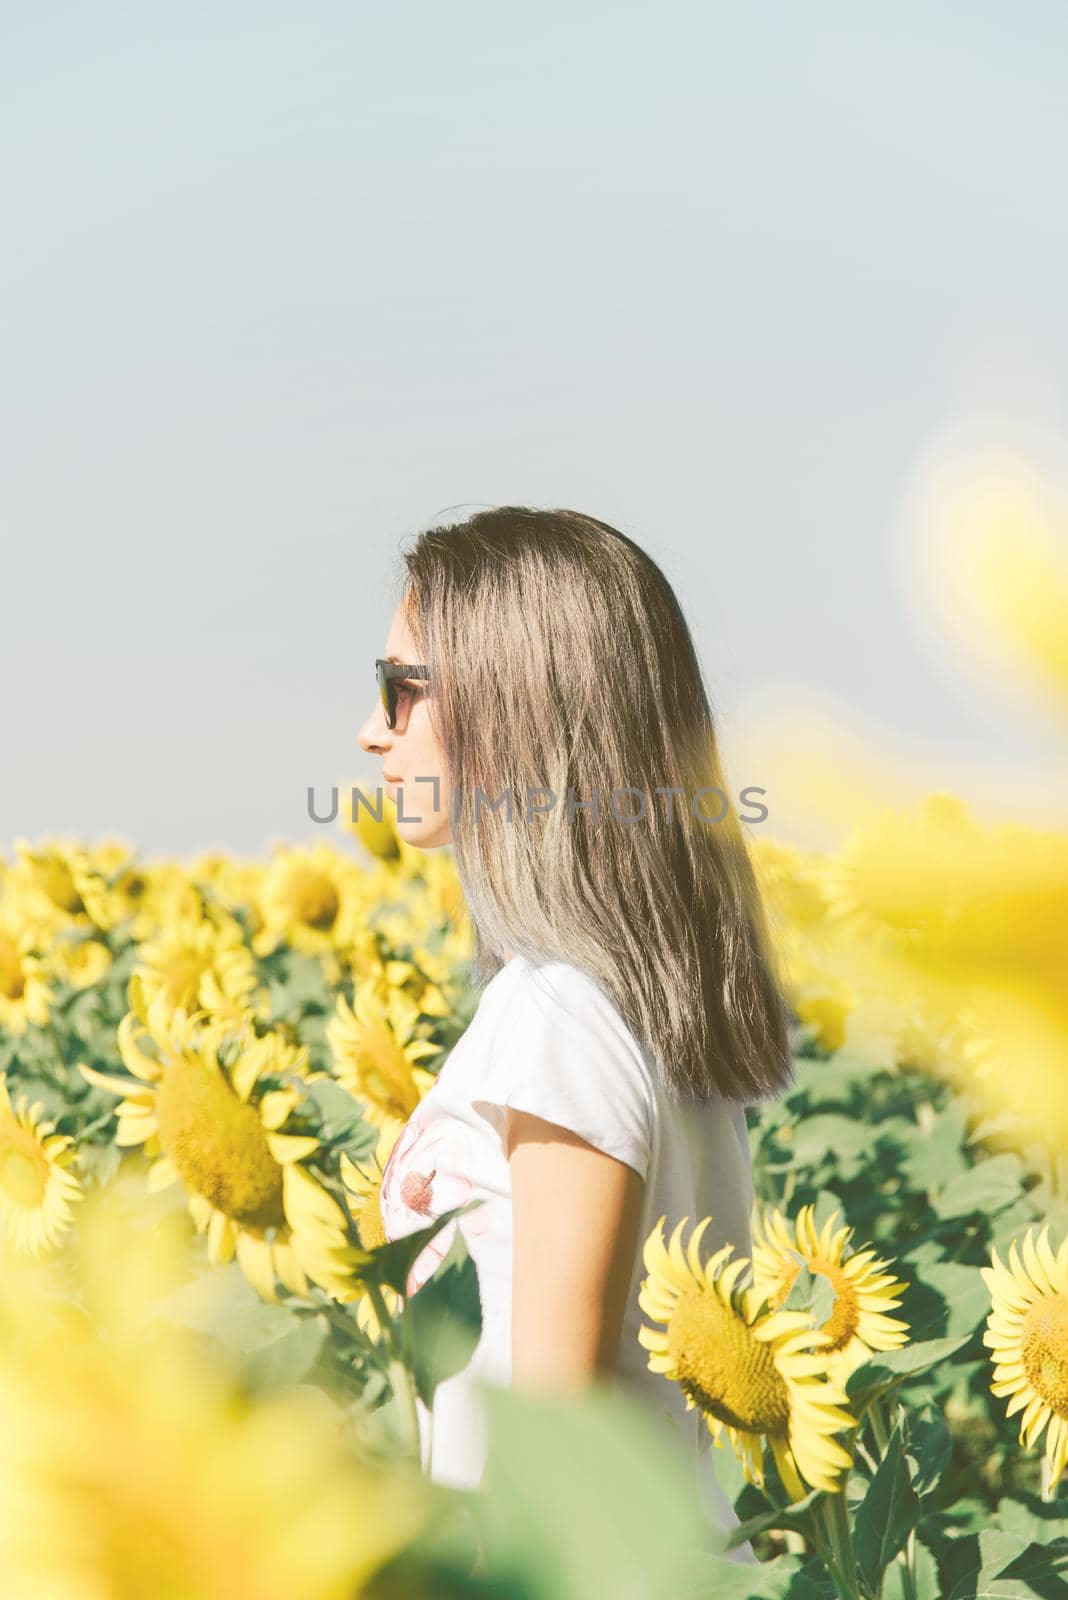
424 1177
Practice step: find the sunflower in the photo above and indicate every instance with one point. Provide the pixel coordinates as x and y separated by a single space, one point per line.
321 1237
363 1190
1027 1331
235 884
25 996
863 1291
133 1464
52 877
118 891
311 899
376 832
424 977
898 878
195 963
79 962
36 1189
218 1128
758 1373
376 1052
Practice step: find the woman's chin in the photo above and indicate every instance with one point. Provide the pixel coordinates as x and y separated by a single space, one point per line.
426 834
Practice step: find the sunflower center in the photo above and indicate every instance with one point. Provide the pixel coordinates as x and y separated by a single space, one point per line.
315 900
1044 1342
182 980
23 1167
723 1368
369 1225
844 1320
12 977
383 1072
218 1144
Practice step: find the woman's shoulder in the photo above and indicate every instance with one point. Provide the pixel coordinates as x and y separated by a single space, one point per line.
564 994
561 1050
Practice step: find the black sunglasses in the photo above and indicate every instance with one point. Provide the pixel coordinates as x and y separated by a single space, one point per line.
388 672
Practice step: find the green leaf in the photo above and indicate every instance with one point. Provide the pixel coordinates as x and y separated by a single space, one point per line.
784 1578
290 1355
830 1081
446 1320
591 1496
888 1513
1033 1518
341 1119
935 1154
986 1188
927 1582
956 1298
302 983
812 1581
844 1140
391 1263
885 1371
1007 1566
784 1518
223 1304
929 1447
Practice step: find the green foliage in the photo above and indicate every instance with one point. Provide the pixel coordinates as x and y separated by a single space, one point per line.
887 1514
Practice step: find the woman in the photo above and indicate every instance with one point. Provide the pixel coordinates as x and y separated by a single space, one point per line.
558 734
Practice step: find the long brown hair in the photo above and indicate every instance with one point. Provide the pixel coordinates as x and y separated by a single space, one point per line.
560 661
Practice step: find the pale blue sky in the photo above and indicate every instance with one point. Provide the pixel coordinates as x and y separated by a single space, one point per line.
282 284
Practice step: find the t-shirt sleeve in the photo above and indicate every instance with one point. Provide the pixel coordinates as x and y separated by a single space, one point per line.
562 1051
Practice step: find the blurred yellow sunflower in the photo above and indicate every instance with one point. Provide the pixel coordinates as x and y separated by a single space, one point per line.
36 1187
363 1190
52 877
79 962
1027 1332
370 815
445 903
863 1290
321 1237
25 996
219 1130
119 891
898 875
759 1374
376 1052
235 884
135 1465
312 899
426 978
195 963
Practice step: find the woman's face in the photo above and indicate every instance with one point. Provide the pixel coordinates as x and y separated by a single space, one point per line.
410 754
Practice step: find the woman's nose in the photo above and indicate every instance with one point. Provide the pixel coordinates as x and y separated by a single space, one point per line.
374 736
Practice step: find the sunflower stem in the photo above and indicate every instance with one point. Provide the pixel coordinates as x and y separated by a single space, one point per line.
840 1564
878 1426
1047 1475
838 1519
98 1122
908 1567
403 1384
401 1376
816 1530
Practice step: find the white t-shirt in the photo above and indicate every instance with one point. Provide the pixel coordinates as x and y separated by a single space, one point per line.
548 1039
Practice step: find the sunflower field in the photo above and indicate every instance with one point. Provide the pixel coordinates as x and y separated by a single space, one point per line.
209 1360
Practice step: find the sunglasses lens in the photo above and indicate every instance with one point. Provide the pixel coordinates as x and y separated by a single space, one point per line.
385 690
